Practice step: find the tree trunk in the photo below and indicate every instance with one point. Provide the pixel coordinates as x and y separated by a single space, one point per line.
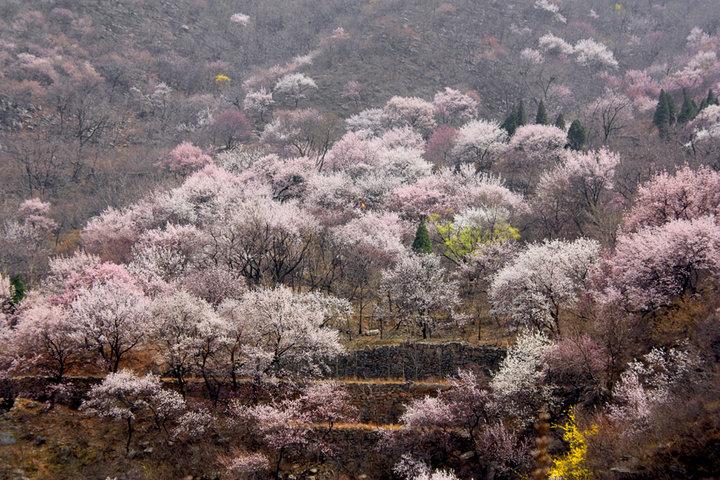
129 435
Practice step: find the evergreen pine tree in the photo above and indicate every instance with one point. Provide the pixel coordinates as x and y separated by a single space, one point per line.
541 116
576 135
520 117
671 108
662 116
560 121
510 122
688 109
712 99
422 243
19 289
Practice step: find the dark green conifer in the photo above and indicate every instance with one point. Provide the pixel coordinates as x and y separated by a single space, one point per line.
576 135
671 108
520 117
688 109
711 99
510 123
541 116
560 121
662 118
422 243
19 289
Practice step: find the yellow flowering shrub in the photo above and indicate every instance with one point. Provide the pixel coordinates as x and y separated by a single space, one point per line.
221 78
571 466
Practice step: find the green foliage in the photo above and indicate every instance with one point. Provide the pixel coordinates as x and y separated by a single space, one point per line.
665 114
460 241
560 121
576 135
688 109
541 115
19 289
422 242
711 99
520 117
510 123
516 118
671 108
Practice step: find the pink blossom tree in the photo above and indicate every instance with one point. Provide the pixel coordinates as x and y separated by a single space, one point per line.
230 127
651 383
686 195
25 240
577 197
70 276
655 266
609 115
300 424
305 133
167 254
109 234
263 240
374 120
440 145
44 340
353 91
532 150
366 244
411 111
244 466
7 291
186 157
467 410
454 107
449 191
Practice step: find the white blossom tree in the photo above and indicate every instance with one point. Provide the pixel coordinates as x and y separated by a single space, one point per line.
418 291
294 87
479 142
519 386
125 397
543 282
280 333
111 319
180 331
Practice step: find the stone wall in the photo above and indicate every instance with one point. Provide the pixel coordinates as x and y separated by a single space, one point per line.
416 361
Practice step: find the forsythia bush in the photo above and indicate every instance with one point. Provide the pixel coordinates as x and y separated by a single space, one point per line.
221 78
461 238
571 466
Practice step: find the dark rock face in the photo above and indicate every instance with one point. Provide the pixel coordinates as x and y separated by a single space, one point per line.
7 438
416 361
14 116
